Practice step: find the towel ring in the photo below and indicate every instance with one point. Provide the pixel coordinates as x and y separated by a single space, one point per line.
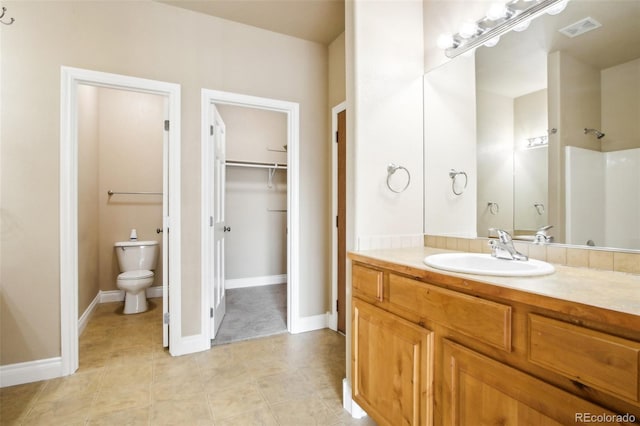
391 169
453 174
494 208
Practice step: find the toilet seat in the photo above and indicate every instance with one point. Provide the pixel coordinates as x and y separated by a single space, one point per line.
135 275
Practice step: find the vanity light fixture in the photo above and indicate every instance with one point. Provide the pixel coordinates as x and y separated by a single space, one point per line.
501 17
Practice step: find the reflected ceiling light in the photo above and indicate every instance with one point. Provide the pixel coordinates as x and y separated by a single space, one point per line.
501 18
492 42
558 8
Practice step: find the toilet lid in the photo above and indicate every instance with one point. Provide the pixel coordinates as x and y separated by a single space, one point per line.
135 275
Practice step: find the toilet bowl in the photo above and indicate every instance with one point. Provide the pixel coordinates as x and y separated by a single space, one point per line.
137 260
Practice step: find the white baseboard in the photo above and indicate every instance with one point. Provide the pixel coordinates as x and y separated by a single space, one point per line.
332 320
86 315
349 404
32 371
255 281
311 323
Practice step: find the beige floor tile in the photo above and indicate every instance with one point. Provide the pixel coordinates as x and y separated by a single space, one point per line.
193 412
134 417
262 417
119 398
303 412
285 387
72 410
127 378
235 400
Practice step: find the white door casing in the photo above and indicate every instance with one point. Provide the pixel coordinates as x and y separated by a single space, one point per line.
70 79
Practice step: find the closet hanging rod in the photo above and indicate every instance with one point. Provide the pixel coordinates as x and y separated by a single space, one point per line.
110 193
255 164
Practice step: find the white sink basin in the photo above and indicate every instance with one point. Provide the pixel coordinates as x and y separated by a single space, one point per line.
485 264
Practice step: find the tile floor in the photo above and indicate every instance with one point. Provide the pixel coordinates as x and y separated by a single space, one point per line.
126 377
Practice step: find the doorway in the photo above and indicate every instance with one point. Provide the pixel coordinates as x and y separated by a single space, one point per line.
71 79
214 166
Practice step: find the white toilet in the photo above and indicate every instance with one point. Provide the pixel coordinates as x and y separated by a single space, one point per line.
137 260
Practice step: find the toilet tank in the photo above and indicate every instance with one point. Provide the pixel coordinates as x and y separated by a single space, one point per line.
136 255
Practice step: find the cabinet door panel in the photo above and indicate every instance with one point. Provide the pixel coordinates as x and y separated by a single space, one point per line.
392 367
480 391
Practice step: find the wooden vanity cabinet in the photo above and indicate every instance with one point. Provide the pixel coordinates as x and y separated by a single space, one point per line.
424 353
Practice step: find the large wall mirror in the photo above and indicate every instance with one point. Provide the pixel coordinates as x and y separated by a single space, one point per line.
557 126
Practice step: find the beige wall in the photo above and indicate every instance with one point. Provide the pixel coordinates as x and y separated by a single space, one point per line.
257 243
337 69
621 106
130 160
88 208
155 41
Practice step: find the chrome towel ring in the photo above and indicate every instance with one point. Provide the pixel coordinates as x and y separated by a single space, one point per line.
391 169
453 174
494 208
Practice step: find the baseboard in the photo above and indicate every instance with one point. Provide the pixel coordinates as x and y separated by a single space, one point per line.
255 281
332 320
86 315
349 404
311 323
32 371
109 296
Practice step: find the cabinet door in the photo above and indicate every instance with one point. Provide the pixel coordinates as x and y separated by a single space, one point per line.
480 391
392 367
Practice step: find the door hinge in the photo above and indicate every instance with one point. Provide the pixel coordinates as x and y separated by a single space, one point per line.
166 125
337 305
210 220
165 318
337 137
210 312
211 130
337 226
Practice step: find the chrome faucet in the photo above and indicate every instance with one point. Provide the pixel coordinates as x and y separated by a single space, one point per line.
503 247
542 237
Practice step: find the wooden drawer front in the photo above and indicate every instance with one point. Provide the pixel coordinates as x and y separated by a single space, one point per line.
367 282
484 320
590 357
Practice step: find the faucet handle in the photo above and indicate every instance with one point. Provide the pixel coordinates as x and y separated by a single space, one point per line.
503 235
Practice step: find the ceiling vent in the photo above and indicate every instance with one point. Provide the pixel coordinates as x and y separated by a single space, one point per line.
580 27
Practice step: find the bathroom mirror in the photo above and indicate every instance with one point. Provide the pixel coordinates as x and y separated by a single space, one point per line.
536 92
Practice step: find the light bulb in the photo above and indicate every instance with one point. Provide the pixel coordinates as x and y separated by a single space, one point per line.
468 29
522 25
497 11
492 42
557 8
445 41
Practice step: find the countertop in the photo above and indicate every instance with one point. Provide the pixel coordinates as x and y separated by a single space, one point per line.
612 297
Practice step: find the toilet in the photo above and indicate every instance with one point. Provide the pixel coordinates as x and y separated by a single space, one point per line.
137 260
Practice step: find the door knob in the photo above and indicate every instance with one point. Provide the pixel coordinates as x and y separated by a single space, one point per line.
158 230
227 229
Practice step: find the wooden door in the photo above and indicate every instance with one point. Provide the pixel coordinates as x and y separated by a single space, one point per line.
392 367
341 220
480 391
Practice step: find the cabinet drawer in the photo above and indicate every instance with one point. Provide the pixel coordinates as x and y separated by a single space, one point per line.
596 359
367 282
481 319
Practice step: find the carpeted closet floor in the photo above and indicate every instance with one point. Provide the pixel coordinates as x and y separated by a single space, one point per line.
253 312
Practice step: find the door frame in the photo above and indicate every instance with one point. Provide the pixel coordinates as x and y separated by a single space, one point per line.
292 110
70 79
333 318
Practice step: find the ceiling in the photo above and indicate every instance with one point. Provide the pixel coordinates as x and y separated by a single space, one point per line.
320 21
